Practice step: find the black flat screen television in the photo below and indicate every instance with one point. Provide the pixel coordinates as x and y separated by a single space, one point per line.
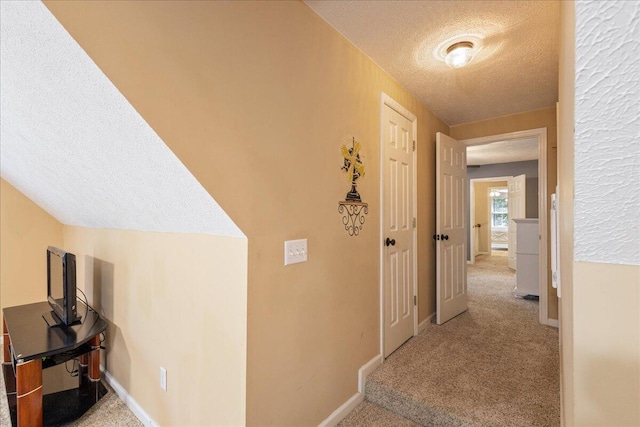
61 284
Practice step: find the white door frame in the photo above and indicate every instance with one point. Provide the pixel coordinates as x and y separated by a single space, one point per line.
472 205
543 214
472 221
386 100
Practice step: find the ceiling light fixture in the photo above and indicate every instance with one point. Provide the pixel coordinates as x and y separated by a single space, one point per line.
459 54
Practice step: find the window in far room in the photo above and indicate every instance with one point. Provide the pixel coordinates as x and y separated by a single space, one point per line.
499 207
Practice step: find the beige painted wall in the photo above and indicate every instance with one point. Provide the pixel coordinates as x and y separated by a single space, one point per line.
137 280
25 232
256 99
524 121
566 94
482 215
606 341
483 210
176 301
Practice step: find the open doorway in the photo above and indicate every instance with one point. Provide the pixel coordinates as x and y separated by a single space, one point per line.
488 216
495 203
498 198
492 159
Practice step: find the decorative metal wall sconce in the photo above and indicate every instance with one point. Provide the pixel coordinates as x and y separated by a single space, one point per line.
353 209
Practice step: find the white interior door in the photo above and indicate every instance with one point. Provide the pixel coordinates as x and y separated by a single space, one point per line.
451 268
516 209
397 230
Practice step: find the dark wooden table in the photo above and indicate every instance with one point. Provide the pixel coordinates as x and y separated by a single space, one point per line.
30 346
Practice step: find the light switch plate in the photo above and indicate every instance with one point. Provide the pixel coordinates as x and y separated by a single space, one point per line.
295 251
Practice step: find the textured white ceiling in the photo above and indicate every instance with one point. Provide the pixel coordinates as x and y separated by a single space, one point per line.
515 70
73 144
516 150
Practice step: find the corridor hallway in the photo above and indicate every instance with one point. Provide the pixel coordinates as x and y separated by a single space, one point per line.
493 365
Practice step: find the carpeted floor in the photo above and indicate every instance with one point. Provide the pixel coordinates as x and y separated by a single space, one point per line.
370 415
110 411
493 365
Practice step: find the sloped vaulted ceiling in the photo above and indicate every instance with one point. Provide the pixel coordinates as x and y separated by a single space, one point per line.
73 144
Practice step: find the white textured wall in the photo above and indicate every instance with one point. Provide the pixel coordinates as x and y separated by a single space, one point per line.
607 132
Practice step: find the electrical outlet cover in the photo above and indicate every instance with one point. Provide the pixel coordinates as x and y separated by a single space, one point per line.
163 379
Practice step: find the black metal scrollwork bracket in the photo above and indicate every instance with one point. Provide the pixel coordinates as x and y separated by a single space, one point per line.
353 215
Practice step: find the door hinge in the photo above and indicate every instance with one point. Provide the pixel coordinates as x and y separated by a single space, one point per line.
414 223
415 300
414 145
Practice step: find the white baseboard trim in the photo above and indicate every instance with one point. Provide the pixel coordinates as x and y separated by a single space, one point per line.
348 406
344 410
423 325
128 400
553 322
366 369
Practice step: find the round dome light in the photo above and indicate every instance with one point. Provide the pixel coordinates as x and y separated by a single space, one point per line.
459 54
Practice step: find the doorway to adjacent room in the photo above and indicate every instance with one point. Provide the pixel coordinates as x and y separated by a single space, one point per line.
503 150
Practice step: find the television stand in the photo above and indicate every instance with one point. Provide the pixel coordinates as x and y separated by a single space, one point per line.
54 321
30 346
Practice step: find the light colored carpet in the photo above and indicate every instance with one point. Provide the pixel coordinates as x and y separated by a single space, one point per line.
493 365
369 415
110 411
